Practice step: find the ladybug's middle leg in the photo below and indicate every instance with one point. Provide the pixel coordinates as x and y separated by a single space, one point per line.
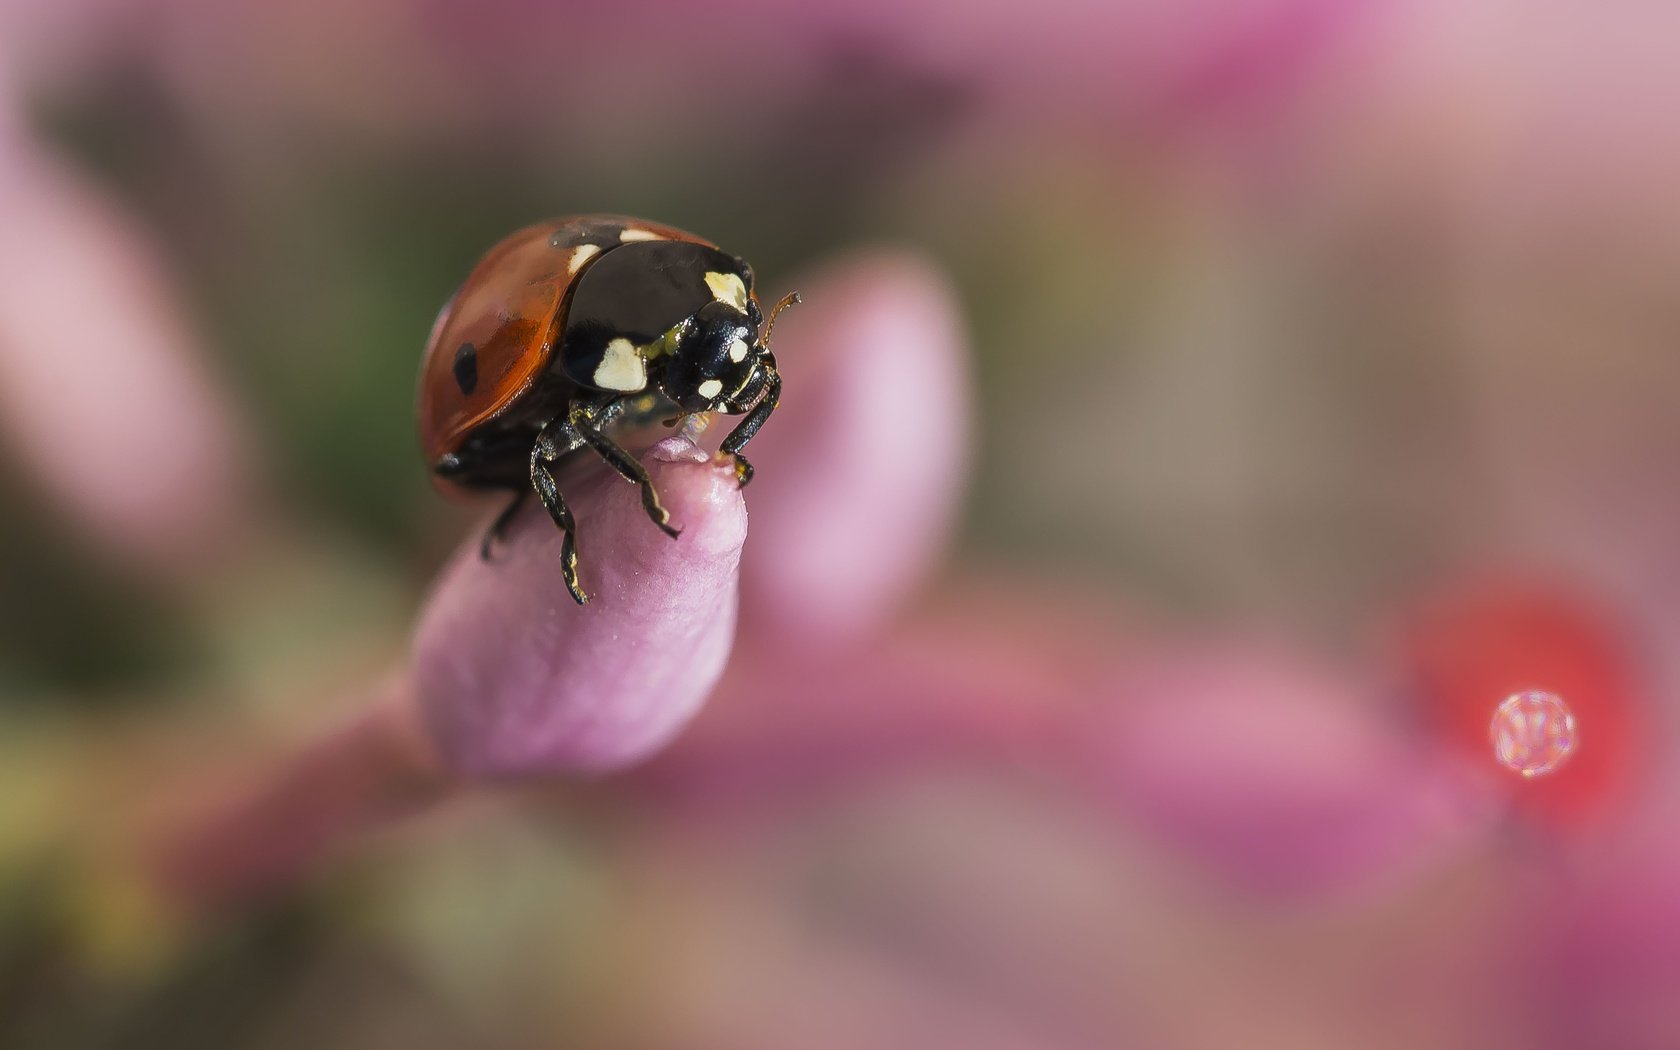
581 420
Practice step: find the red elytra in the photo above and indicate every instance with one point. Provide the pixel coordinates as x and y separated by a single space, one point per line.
1469 646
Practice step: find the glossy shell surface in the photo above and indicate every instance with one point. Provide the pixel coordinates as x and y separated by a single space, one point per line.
497 334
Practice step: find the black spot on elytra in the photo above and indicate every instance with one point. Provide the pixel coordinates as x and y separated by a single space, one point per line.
466 368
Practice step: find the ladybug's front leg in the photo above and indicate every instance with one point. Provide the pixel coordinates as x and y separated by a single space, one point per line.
581 420
744 431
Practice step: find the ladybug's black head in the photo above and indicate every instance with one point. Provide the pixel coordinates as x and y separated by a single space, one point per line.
719 364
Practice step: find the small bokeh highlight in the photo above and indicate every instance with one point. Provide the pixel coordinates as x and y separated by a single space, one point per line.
1533 732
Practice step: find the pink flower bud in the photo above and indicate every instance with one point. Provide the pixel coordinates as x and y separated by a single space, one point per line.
516 679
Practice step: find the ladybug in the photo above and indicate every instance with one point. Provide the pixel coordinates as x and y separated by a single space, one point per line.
570 328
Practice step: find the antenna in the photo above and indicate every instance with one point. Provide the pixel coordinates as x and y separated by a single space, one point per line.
787 300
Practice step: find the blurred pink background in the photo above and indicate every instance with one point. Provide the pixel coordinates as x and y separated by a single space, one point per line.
1321 391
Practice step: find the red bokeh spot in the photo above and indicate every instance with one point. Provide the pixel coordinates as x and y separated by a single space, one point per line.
1469 646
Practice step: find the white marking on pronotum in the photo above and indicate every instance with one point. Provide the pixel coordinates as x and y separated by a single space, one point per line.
738 351
621 367
710 388
633 233
580 255
727 288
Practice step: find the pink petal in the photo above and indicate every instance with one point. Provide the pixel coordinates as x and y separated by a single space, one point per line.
1270 772
987 672
861 472
102 392
1609 959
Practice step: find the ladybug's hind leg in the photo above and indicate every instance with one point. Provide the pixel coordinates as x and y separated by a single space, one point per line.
545 451
498 528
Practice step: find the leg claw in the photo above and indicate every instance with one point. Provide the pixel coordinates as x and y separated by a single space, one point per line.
743 469
575 587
